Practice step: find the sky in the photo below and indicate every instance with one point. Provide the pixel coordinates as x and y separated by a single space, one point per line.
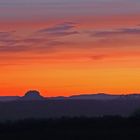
63 47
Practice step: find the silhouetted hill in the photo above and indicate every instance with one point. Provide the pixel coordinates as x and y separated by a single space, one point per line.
35 95
100 96
33 105
32 95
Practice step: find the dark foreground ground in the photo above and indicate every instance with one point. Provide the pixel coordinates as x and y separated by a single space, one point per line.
17 110
103 128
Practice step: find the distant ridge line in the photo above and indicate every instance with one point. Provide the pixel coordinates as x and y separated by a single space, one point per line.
35 95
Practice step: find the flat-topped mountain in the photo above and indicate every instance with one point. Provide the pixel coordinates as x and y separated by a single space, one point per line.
32 95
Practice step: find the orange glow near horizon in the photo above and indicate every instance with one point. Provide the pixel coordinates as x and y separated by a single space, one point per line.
63 53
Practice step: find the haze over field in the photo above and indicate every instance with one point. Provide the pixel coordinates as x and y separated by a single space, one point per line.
63 47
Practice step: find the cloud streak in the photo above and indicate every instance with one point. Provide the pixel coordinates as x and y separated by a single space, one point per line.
116 32
58 38
67 28
44 40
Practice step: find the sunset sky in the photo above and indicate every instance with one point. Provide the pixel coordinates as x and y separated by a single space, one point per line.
67 47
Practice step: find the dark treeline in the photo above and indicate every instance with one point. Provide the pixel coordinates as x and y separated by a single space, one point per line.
107 127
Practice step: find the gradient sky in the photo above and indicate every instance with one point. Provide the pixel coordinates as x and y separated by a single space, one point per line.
67 47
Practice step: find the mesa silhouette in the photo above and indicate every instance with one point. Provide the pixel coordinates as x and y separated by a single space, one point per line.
33 105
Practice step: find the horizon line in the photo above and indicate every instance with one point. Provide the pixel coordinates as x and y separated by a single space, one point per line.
82 94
